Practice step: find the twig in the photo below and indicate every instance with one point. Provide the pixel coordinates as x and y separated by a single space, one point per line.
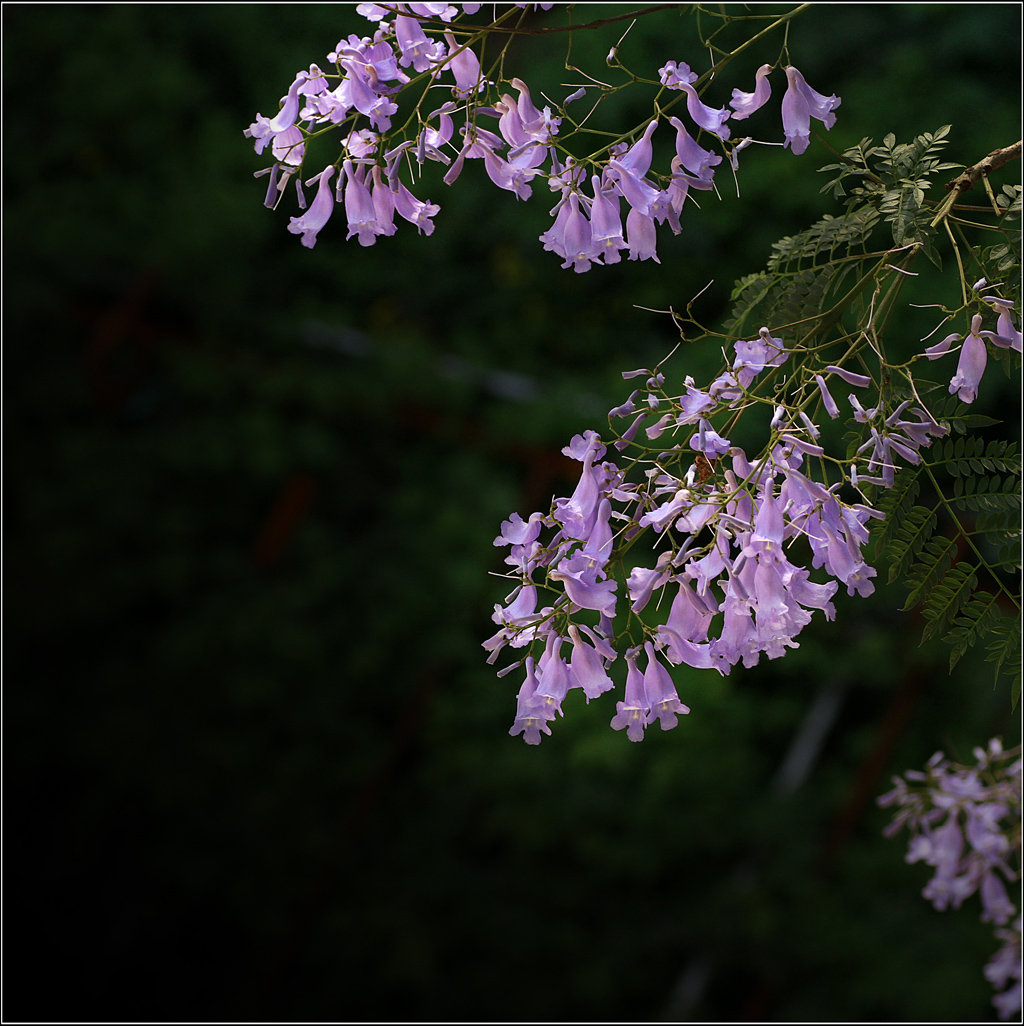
997 158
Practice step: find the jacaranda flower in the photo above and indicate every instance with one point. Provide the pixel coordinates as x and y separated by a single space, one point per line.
799 105
973 357
318 214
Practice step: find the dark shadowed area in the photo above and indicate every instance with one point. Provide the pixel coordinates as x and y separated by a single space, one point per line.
257 767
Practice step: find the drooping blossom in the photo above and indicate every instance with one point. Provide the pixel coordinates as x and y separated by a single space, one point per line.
417 50
744 104
799 105
633 713
971 366
464 66
965 823
263 130
1007 336
318 213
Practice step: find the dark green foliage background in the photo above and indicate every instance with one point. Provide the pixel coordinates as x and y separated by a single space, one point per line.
272 780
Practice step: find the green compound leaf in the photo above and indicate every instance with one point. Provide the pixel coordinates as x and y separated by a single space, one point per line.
932 566
949 596
909 539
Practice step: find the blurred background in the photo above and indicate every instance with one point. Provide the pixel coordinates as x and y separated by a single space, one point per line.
257 767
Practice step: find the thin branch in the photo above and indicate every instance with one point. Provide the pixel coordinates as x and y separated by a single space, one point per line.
544 31
997 158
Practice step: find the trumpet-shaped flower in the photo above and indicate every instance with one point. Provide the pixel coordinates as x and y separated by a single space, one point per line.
531 716
973 357
744 104
263 130
799 105
633 714
318 213
660 692
465 66
1007 336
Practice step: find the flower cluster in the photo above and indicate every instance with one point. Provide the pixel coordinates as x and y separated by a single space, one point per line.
973 353
726 525
588 228
966 824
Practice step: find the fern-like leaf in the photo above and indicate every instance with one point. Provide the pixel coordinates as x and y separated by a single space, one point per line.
978 618
825 236
1005 651
909 538
948 598
932 566
894 502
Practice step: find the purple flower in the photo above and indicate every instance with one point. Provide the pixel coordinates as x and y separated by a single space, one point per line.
941 348
413 210
674 76
289 146
752 357
690 616
857 380
417 49
578 574
799 105
531 717
641 236
578 238
360 90
709 118
264 129
442 11
383 202
529 131
744 104
318 213
664 515
554 237
576 514
587 667
693 403
998 908
692 156
553 675
465 67
359 208
643 582
516 531
587 444
660 692
945 791
680 76
738 639
973 357
633 187
606 224
1004 966
1007 336
632 715
521 609
826 397
709 441
431 140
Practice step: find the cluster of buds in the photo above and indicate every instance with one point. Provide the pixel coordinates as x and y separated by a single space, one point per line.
358 97
966 824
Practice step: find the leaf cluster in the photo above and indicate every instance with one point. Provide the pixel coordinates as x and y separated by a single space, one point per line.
894 178
803 272
967 528
879 184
